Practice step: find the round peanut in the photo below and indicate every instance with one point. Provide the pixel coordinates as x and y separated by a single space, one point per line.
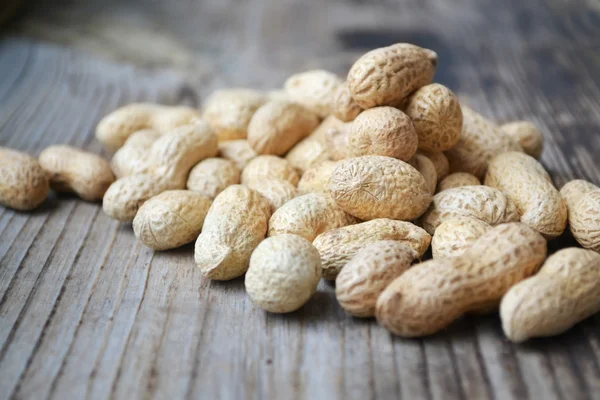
426 168
269 167
171 219
527 135
284 273
458 179
307 153
344 107
276 191
213 175
131 158
440 162
24 185
583 203
316 178
314 90
455 235
238 151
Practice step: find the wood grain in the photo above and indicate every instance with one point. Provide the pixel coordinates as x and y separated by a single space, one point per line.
88 312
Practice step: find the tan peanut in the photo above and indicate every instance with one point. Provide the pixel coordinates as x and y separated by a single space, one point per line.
307 153
430 296
426 168
480 141
314 90
276 191
565 292
484 203
269 167
114 129
171 219
527 135
320 133
344 107
583 203
338 246
278 125
437 117
284 273
213 175
440 162
383 131
238 151
456 180
73 170
361 281
236 223
132 157
455 235
229 111
372 187
337 141
24 185
316 179
386 76
528 185
309 216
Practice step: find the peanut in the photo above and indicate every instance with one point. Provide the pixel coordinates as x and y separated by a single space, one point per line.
276 191
481 202
565 292
361 281
455 235
440 162
338 246
372 187
238 151
431 295
314 90
24 185
527 135
316 178
337 141
583 203
458 179
74 170
320 133
309 216
528 185
344 107
131 158
437 117
278 125
427 169
284 273
269 167
213 175
386 76
171 219
307 153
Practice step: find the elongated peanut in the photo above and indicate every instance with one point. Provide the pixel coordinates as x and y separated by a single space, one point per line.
238 151
565 292
229 111
383 131
426 169
458 179
24 185
276 191
284 273
132 157
320 133
338 246
437 117
528 185
484 203
386 76
171 219
527 135
309 216
314 90
307 153
431 295
269 167
344 107
236 223
73 170
278 125
455 235
361 281
316 178
372 187
480 141
213 175
583 203
440 162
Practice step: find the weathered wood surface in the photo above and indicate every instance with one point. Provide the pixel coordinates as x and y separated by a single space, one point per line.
88 312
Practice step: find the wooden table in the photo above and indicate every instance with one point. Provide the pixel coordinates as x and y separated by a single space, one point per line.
86 311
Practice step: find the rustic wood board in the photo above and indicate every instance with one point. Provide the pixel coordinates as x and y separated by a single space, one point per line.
88 312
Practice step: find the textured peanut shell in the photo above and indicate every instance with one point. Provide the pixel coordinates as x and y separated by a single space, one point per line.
24 185
383 131
213 175
455 235
583 203
480 141
277 192
338 142
309 216
236 223
372 187
437 117
484 203
314 90
284 273
426 169
527 135
268 167
278 125
307 153
238 151
386 76
171 219
132 157
565 292
344 107
338 246
361 281
229 111
430 296
320 133
73 170
456 180
528 185
440 162
316 179
167 118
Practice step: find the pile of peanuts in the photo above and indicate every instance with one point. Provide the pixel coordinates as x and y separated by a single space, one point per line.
352 181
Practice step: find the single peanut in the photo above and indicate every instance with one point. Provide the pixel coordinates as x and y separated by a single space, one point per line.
455 235
307 153
24 185
344 107
316 178
276 191
132 157
213 175
458 179
269 167
583 204
427 169
314 90
337 141
440 162
527 135
320 133
238 151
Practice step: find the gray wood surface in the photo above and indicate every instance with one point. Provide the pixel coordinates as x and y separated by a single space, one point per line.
88 312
